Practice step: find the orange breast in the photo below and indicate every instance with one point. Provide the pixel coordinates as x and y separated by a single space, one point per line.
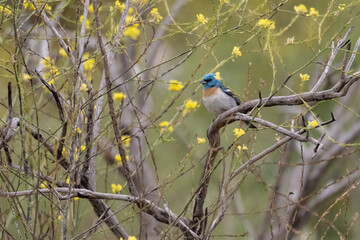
209 92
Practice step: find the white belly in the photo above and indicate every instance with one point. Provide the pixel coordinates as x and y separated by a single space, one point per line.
219 102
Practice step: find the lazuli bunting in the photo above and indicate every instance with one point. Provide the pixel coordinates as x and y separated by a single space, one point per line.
216 97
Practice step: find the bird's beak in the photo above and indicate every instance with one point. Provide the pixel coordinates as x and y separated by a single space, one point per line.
203 82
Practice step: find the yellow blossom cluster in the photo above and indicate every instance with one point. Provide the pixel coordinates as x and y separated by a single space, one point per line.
190 105
120 6
28 5
83 87
5 10
238 132
88 63
341 6
44 185
132 31
165 125
156 17
65 152
201 18
119 96
301 9
129 238
118 159
82 148
116 188
236 52
243 147
50 70
217 76
62 52
313 124
87 22
201 140
304 77
175 85
266 23
126 140
91 8
313 13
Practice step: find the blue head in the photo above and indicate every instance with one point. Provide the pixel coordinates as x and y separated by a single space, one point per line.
210 81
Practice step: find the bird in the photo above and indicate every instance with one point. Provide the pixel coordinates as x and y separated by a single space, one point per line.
216 97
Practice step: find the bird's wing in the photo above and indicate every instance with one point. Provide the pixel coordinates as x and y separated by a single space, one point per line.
228 92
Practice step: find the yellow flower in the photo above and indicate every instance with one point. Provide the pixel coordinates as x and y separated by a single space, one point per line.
65 152
67 180
238 132
119 96
5 10
236 52
132 31
88 63
87 22
48 62
76 198
59 217
301 9
82 148
201 140
266 23
50 82
140 1
190 105
118 159
79 130
47 7
217 76
119 5
26 77
115 188
44 185
62 52
126 140
132 238
224 1
83 87
91 8
341 6
28 5
154 13
49 65
304 77
313 124
201 18
175 85
165 125
130 19
313 13
243 147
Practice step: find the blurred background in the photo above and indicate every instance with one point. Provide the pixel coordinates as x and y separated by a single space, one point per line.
181 46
